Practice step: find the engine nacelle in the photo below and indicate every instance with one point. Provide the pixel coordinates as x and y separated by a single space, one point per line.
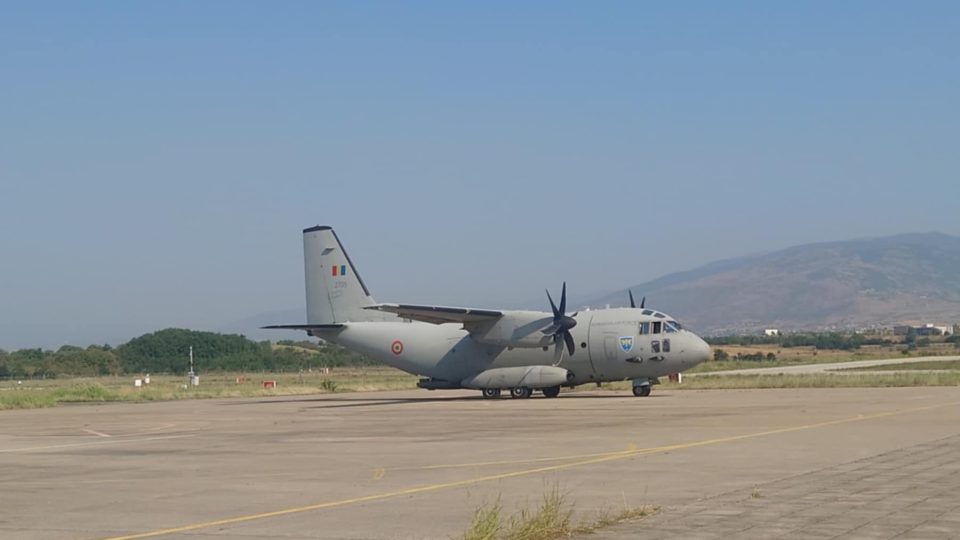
515 329
513 377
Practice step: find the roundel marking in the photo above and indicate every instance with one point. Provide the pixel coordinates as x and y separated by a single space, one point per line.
396 347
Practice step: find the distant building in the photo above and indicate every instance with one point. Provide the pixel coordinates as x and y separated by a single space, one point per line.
771 332
934 330
928 329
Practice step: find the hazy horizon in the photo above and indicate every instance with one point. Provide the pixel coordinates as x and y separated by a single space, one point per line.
159 161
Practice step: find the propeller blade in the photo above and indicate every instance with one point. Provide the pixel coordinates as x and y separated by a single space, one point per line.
552 329
568 338
563 299
553 306
632 303
643 302
561 325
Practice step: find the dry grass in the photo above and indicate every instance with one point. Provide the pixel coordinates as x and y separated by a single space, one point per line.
553 518
50 392
915 366
797 356
816 380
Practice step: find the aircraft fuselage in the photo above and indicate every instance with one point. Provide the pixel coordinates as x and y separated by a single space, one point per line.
610 347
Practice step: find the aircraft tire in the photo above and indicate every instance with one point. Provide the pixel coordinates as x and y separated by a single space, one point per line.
641 391
520 392
551 391
491 393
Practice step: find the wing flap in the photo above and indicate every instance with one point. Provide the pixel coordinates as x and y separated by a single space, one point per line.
439 314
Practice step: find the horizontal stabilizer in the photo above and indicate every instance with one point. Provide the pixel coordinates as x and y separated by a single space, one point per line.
438 314
307 327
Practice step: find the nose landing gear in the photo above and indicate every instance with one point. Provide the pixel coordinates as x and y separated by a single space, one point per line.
642 386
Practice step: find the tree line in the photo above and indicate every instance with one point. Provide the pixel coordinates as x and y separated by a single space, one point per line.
167 351
824 340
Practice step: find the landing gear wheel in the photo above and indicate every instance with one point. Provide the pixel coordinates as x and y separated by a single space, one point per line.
520 392
641 391
491 393
551 391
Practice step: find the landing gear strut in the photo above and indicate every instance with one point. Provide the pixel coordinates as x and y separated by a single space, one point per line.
520 392
491 393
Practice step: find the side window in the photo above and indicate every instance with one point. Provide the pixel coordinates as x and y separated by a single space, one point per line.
644 328
655 345
669 328
656 327
666 345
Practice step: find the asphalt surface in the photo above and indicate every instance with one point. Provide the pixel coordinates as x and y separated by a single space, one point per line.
417 464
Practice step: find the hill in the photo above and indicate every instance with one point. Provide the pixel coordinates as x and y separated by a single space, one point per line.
824 286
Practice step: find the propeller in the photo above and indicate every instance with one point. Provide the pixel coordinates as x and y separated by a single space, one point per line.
633 304
561 325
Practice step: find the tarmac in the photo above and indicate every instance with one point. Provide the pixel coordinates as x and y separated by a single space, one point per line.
791 463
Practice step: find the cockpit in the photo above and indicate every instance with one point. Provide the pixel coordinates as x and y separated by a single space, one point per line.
666 326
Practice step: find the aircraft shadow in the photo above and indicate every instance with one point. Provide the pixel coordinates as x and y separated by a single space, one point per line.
342 402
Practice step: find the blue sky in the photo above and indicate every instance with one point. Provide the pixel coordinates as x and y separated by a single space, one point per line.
158 160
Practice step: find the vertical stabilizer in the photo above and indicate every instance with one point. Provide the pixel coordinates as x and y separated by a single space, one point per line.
335 292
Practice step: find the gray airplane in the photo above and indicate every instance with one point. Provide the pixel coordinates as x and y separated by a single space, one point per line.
490 350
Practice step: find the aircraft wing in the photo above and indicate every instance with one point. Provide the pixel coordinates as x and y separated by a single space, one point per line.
439 314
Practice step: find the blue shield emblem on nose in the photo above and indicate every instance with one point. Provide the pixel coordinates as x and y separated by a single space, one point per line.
626 343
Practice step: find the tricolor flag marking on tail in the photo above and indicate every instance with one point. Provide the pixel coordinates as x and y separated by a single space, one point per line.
340 270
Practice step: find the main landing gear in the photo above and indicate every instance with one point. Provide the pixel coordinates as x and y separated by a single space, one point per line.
521 392
641 391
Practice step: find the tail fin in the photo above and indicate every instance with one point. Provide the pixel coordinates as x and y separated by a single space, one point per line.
335 292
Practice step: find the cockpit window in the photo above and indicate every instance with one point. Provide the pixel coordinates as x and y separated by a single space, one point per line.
659 315
669 328
647 312
677 325
644 328
656 327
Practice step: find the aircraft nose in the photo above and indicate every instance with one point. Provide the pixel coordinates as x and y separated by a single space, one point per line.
700 351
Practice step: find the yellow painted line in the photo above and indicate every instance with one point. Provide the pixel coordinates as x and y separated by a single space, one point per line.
527 472
512 461
97 443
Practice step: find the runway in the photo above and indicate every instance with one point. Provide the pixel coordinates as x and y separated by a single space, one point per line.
416 464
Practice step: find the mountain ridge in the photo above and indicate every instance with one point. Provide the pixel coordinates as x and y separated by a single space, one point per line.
845 284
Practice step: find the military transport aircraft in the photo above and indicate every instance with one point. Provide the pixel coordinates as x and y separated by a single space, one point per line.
490 350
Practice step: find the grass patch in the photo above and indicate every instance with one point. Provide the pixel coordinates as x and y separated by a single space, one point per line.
816 380
799 356
553 518
50 392
914 366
